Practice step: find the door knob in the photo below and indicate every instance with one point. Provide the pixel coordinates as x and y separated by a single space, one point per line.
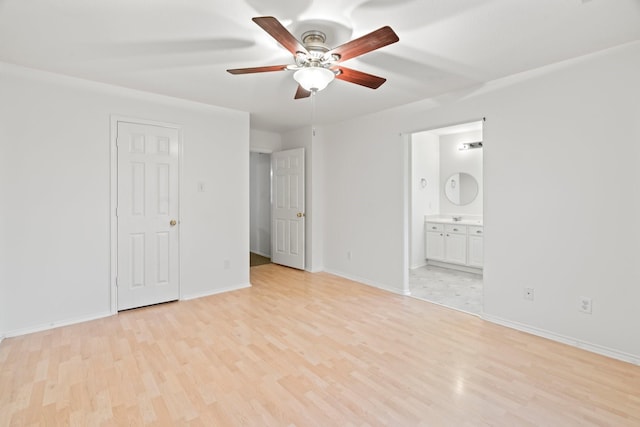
173 222
300 215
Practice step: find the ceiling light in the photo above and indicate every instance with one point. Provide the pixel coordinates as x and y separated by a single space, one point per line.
313 78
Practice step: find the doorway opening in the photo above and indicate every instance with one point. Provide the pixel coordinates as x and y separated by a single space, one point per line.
260 208
277 207
446 227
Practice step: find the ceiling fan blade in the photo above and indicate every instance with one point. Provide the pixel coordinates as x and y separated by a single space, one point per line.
302 93
276 30
257 69
359 78
375 40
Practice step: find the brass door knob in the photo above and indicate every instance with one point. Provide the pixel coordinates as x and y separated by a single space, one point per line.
173 222
300 215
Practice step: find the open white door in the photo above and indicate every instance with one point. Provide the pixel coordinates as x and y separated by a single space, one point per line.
287 208
147 215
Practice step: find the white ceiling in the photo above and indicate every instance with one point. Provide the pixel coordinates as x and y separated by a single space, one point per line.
182 48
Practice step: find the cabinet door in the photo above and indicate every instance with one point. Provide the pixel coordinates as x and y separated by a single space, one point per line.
476 251
435 245
455 248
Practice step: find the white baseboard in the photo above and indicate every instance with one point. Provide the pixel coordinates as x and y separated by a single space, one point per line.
378 285
594 348
53 325
413 267
214 292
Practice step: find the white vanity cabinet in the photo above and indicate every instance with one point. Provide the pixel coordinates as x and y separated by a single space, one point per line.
434 241
455 244
458 244
476 246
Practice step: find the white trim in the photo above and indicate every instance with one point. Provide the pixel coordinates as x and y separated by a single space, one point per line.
53 325
574 342
451 124
214 292
407 203
424 264
113 221
398 291
113 226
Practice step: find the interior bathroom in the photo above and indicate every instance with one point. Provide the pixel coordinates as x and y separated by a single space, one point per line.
446 226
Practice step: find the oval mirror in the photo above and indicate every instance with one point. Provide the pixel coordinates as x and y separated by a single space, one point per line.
461 188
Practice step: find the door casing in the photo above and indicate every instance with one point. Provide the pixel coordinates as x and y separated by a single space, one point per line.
113 225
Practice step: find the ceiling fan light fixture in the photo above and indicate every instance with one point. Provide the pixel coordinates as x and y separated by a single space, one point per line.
314 79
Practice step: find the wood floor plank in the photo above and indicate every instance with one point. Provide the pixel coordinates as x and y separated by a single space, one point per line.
302 349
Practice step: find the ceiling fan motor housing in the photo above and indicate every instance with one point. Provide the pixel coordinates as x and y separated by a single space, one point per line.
314 41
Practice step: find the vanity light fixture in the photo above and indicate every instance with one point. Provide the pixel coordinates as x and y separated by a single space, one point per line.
470 145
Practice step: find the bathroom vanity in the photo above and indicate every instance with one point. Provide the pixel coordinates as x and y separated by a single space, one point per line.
454 243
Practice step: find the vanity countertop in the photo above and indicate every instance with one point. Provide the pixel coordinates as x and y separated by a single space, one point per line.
449 220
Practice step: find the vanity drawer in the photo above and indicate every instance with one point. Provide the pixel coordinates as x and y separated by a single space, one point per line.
476 231
455 229
433 226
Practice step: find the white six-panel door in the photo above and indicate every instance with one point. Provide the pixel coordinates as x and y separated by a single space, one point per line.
147 215
287 208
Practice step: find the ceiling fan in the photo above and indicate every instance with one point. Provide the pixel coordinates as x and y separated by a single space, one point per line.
316 65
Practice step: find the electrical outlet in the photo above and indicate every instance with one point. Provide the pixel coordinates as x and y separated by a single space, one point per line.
528 294
584 305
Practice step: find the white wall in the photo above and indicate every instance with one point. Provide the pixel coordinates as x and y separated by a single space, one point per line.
558 143
425 164
364 201
260 203
55 175
453 160
265 142
4 226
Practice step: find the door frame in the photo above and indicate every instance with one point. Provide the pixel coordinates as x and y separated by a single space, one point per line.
407 200
268 152
113 203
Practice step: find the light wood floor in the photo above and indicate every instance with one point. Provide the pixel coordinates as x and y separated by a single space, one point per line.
307 349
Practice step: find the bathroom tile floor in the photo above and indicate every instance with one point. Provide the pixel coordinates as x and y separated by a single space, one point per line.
451 288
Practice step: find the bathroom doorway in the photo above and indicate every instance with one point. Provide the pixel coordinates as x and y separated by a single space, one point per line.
446 227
